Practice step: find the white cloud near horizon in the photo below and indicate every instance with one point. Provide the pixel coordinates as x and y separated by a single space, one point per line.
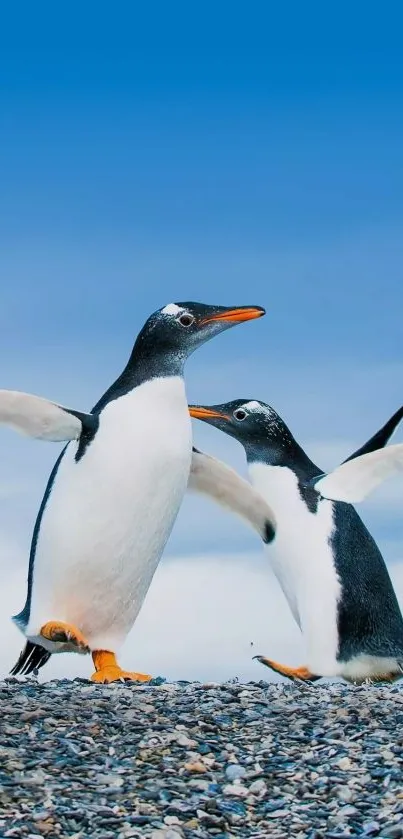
197 623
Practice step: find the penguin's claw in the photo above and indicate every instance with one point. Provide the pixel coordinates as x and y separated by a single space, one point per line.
296 674
108 670
65 633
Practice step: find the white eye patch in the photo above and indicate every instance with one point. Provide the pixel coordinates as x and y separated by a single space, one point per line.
172 309
253 406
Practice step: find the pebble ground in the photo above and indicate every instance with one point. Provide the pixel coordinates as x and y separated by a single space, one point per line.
172 761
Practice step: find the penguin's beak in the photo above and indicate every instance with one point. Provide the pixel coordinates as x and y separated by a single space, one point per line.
235 315
198 412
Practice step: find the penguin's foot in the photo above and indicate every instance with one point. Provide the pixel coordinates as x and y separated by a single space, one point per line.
65 633
377 679
296 674
107 669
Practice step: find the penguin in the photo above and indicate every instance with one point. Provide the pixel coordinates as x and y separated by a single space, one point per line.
327 563
115 491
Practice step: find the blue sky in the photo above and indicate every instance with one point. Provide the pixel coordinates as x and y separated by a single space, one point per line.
223 153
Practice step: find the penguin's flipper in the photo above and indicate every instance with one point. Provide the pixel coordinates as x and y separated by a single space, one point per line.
354 479
296 674
32 658
379 440
39 418
217 480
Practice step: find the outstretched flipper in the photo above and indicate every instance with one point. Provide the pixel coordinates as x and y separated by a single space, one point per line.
379 440
366 468
217 480
355 479
296 674
44 420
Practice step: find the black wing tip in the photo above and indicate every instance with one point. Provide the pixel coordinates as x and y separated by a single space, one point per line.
32 658
269 533
381 438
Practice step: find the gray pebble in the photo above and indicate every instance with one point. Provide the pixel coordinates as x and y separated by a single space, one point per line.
234 771
393 831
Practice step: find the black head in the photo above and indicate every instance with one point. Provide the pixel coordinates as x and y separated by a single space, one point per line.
168 337
258 427
179 328
252 423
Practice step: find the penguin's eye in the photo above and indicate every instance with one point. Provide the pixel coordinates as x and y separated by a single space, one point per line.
186 320
240 414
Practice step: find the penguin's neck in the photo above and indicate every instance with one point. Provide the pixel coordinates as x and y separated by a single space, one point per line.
285 452
149 360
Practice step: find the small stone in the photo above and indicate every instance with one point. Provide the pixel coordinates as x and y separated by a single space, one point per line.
109 780
258 787
234 771
182 740
344 763
196 767
198 784
346 812
393 831
345 793
165 834
371 828
236 789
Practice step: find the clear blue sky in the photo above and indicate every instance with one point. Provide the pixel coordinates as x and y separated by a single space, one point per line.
232 153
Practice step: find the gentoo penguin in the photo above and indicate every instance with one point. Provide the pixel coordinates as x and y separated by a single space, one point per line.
327 563
115 491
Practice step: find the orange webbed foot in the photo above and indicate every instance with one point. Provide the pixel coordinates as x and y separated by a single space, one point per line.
108 670
296 674
65 633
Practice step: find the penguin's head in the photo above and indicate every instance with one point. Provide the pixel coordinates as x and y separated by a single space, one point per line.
182 327
254 424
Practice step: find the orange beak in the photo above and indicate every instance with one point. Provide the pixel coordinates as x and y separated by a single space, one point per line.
238 315
198 412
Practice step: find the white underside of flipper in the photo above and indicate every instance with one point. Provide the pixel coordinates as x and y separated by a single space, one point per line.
37 417
221 483
356 479
109 516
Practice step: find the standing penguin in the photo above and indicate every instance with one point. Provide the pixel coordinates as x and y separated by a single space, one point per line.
327 563
115 491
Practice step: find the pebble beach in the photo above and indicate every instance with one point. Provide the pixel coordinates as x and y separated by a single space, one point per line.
172 761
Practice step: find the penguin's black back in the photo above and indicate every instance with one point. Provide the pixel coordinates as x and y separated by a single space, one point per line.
22 619
369 616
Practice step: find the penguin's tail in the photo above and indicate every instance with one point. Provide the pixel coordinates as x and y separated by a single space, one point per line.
32 658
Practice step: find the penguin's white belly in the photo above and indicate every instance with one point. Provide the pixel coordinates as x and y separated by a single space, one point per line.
302 560
110 514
